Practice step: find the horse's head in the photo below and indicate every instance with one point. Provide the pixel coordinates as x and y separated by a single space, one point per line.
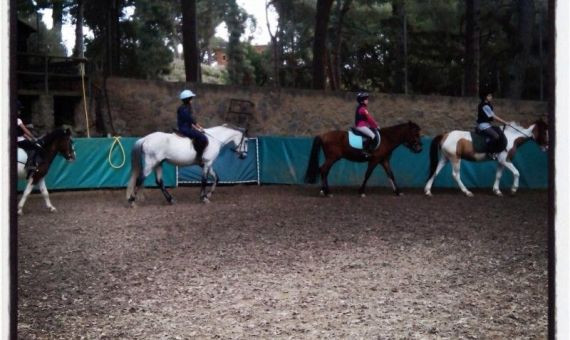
412 138
61 141
540 134
240 141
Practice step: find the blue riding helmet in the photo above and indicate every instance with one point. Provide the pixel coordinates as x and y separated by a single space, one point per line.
186 94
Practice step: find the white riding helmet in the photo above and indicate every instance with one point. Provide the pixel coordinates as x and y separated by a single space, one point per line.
186 94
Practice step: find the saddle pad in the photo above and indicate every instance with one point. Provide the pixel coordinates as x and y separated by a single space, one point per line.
478 141
22 156
354 140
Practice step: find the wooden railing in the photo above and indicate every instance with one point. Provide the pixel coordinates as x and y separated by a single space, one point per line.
49 72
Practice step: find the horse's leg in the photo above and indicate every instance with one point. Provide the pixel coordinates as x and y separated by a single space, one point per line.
456 164
27 191
516 176
45 194
369 170
390 174
139 185
203 196
440 165
216 179
498 175
160 183
325 168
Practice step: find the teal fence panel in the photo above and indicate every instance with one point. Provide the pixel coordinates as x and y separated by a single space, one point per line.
92 168
228 166
283 160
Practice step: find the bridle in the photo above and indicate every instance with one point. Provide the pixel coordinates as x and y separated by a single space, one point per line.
239 145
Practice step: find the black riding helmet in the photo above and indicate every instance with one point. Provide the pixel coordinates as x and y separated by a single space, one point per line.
361 96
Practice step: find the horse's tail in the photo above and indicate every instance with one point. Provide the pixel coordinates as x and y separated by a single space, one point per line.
433 153
136 166
313 167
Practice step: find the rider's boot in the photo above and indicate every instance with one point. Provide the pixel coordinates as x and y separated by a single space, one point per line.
31 161
366 148
199 146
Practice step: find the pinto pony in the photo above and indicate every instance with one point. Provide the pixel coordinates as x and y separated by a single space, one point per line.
457 145
335 146
57 141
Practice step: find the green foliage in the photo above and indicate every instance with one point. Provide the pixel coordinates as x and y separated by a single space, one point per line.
371 42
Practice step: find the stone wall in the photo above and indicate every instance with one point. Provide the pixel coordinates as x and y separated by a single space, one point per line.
139 107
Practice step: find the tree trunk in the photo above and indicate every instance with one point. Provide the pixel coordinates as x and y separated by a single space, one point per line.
320 43
472 37
518 68
400 49
57 16
112 36
190 40
78 49
335 58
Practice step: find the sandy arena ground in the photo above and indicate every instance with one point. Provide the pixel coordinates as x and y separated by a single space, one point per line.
280 262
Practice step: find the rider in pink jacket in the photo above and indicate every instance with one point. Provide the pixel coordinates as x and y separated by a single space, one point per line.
364 122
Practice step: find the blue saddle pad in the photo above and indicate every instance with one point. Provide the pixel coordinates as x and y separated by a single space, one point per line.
354 140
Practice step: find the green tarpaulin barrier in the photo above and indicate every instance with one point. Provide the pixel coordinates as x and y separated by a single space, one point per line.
93 169
283 160
228 166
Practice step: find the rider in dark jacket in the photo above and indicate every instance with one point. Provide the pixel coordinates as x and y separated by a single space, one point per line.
188 126
28 142
485 115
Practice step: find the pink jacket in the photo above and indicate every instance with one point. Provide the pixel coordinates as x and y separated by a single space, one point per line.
364 118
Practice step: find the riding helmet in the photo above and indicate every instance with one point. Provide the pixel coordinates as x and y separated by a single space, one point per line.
186 94
361 96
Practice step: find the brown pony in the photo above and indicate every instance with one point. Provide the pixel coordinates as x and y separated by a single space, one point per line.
335 146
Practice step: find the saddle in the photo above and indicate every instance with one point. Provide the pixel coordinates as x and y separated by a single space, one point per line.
356 139
480 144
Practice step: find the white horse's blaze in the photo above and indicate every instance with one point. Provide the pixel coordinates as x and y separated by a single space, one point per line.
178 150
451 150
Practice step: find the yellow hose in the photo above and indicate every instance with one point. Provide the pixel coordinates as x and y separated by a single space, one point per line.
117 140
82 71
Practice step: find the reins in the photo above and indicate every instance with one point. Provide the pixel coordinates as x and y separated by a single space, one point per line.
523 133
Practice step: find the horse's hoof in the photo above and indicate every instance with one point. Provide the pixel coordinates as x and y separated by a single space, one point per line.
498 193
52 209
20 212
428 193
363 195
469 194
322 193
132 205
513 192
205 200
172 201
399 194
209 195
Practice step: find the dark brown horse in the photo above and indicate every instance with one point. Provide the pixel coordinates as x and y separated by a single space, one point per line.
335 146
58 141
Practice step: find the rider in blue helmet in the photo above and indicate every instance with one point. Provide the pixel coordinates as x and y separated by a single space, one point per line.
188 126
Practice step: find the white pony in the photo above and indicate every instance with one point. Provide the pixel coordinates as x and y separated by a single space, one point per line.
457 145
58 141
150 151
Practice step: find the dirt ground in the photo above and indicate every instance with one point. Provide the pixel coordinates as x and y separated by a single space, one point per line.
280 262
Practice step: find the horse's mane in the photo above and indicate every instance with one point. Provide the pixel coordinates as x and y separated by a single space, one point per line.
54 135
